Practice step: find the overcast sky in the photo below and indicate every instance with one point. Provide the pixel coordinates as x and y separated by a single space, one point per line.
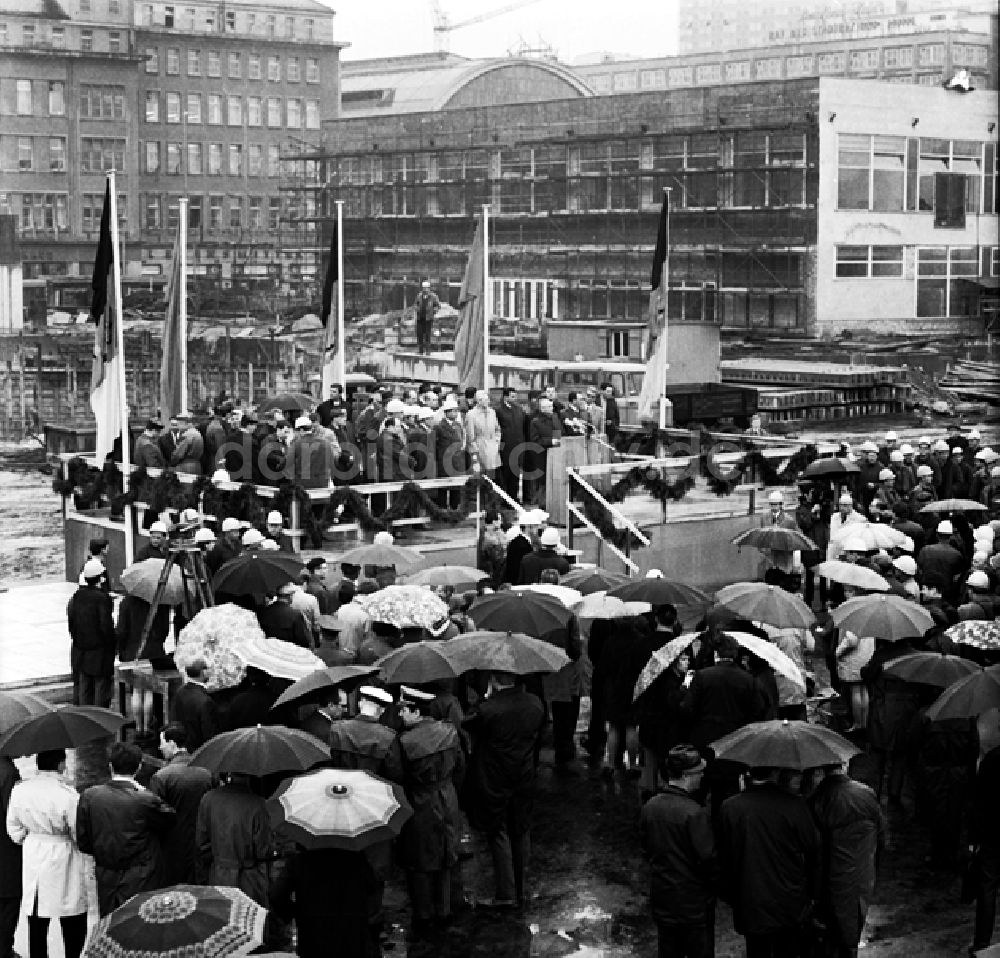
573 27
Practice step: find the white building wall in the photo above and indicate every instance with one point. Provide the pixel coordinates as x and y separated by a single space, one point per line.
11 298
877 108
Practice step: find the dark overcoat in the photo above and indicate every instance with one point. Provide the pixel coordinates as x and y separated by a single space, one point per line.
181 785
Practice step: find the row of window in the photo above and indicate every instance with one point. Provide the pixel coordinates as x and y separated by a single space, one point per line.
258 67
217 109
38 154
205 18
55 37
33 97
881 262
213 159
213 213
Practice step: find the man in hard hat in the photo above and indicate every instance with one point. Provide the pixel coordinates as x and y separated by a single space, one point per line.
158 546
274 529
787 561
940 563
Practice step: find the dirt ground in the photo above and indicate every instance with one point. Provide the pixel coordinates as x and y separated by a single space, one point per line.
31 544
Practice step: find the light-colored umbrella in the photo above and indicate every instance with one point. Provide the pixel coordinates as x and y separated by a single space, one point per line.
141 579
875 535
568 597
954 505
848 573
385 555
600 605
282 659
404 606
761 602
772 655
462 577
661 660
882 616
781 743
213 635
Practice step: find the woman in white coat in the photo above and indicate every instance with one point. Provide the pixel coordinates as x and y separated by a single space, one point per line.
42 817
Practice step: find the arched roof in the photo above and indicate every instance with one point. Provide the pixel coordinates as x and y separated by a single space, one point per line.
451 82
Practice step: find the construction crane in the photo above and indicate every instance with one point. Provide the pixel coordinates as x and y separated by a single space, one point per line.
443 25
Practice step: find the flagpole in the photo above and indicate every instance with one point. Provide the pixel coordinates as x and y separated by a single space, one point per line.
116 271
487 304
663 293
182 212
340 362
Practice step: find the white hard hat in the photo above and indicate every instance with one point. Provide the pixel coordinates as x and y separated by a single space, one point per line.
945 527
450 402
252 538
550 537
923 471
776 497
896 455
275 516
204 535
426 284
230 525
885 474
846 499
269 545
906 449
93 569
978 580
975 434
394 407
940 446
383 538
868 446
891 436
158 526
303 422
220 475
906 565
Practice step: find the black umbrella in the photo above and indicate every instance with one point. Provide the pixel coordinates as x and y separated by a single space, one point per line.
532 613
663 592
831 467
261 750
587 581
257 573
287 402
324 679
68 727
17 707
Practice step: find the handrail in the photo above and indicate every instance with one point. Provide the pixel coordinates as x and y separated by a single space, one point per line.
576 511
502 493
588 488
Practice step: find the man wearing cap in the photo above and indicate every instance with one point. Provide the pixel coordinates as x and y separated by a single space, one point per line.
427 304
428 845
939 463
147 453
274 528
205 540
226 548
979 603
905 572
158 546
677 836
449 442
956 479
777 518
888 448
940 563
544 557
280 621
482 435
325 410
924 493
309 461
870 468
886 491
194 708
92 631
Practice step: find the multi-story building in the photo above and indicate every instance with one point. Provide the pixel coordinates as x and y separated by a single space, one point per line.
200 99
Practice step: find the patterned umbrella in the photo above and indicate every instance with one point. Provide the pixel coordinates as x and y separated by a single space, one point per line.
775 537
184 921
339 808
780 743
954 505
772 655
141 579
503 652
968 697
598 605
324 679
528 612
17 707
588 581
761 602
979 634
404 606
282 659
460 576
382 554
849 573
67 727
416 663
661 660
261 750
213 635
883 616
930 668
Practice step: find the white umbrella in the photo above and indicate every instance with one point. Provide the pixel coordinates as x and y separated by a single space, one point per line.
772 655
282 659
600 605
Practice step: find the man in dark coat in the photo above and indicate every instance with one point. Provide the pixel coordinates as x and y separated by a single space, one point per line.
194 708
158 546
852 832
181 785
147 453
310 458
612 416
280 621
513 436
677 836
121 824
227 547
984 843
10 863
522 538
544 557
544 432
505 728
768 856
92 629
940 563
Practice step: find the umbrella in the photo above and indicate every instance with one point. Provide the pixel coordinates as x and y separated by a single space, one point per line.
380 554
598 605
18 707
968 697
213 635
593 580
954 505
567 596
775 537
67 727
977 633
341 808
781 743
285 660
261 750
662 592
196 921
875 535
462 577
323 679
660 661
831 467
930 668
503 652
848 573
257 573
882 616
404 606
528 612
772 655
416 663
287 402
761 602
141 579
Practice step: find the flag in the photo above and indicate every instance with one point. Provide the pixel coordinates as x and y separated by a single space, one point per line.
328 314
654 383
106 399
470 337
171 365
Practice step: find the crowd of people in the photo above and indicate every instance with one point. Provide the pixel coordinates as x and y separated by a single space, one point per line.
793 853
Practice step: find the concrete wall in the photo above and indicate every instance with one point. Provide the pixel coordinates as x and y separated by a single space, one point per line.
693 353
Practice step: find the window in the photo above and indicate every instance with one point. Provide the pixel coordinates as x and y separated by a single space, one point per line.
255 160
215 212
25 154
294 107
799 66
194 159
930 54
940 270
152 106
168 16
152 60
86 41
680 77
189 18
114 7
214 64
969 55
831 62
235 213
963 157
290 27
872 172
151 209
274 111
254 70
272 23
255 219
254 111
230 21
28 35
57 98
23 88
768 69
234 110
235 159
102 102
898 57
194 63
215 109
273 161
869 262
57 154
273 212
292 69
310 28
214 159
152 156
173 108
97 155
312 115
59 38
4 37
173 158
738 72
193 108
274 69
864 60
114 41
173 61
312 70
706 73
234 66
626 81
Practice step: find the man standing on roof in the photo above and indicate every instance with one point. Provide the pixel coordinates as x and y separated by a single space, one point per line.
427 305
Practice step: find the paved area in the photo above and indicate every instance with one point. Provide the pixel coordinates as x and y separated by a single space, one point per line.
34 643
